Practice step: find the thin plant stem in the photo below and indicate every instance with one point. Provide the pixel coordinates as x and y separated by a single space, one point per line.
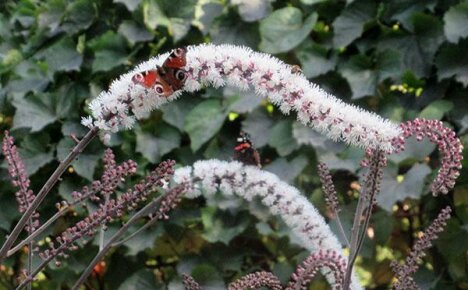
102 252
340 226
142 228
354 240
45 225
45 190
359 229
44 263
103 227
30 251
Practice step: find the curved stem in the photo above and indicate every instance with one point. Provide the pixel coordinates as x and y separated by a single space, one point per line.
45 189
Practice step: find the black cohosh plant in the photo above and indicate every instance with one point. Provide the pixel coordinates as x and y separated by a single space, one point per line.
132 97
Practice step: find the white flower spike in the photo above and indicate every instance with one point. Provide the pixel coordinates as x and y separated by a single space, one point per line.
221 65
233 178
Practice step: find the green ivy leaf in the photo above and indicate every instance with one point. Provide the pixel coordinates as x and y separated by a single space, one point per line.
78 16
143 240
36 152
314 59
154 146
109 51
282 139
456 22
176 112
283 29
233 30
203 122
153 15
221 226
35 112
253 10
141 280
133 32
361 76
417 48
85 164
411 187
287 170
130 4
453 61
62 56
364 74
258 125
436 110
350 24
206 12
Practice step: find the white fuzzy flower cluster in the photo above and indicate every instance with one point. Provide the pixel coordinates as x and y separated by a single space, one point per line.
233 178
220 65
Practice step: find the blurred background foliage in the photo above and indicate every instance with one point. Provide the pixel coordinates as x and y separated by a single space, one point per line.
401 59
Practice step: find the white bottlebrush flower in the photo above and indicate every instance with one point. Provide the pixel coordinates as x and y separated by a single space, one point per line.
212 176
220 65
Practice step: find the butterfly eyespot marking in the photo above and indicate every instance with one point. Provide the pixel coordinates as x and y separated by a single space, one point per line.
181 75
178 52
159 89
138 77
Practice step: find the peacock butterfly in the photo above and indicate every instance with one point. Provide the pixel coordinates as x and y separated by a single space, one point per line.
168 78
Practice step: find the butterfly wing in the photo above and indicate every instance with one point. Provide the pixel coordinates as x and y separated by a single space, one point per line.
153 79
176 59
146 78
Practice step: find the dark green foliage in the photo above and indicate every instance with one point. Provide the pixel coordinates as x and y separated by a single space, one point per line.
401 59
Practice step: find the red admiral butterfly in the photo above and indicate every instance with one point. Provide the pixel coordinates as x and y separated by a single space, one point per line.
168 78
245 152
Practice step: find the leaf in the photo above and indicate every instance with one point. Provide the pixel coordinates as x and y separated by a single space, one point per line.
258 125
141 280
417 48
205 14
35 112
220 226
176 112
436 110
36 152
208 277
234 31
411 187
452 60
364 74
154 146
203 122
456 22
252 10
414 150
282 139
360 75
153 15
85 164
143 240
314 59
283 29
62 56
130 4
287 170
78 16
109 51
350 24
133 32
244 101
